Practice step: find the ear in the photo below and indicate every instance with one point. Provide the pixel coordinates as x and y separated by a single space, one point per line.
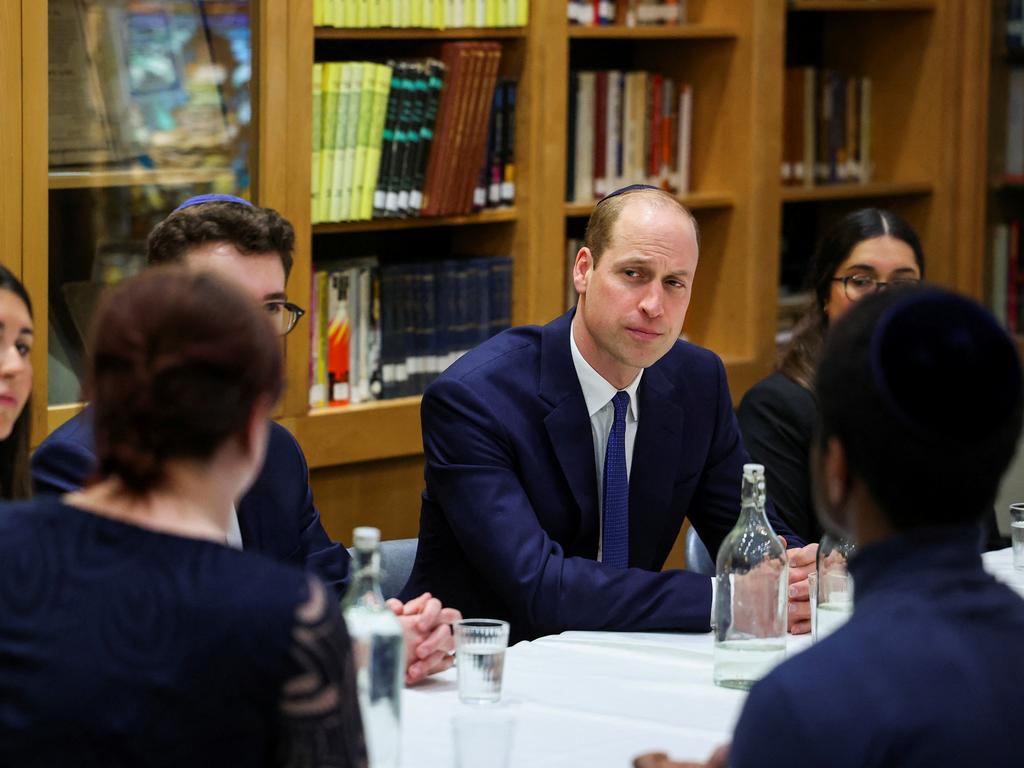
581 269
836 480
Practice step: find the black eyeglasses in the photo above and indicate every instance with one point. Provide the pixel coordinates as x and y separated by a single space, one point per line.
284 314
858 286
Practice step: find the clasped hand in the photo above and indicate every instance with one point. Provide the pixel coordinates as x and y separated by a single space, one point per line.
428 635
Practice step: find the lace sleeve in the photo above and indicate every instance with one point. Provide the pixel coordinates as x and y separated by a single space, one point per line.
319 721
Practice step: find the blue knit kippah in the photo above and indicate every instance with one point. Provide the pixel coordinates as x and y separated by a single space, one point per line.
944 366
624 190
211 198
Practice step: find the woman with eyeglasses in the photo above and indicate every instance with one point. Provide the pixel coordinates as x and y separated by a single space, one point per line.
866 251
130 633
15 386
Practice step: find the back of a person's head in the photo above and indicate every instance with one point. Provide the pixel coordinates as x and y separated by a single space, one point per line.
249 228
923 389
179 360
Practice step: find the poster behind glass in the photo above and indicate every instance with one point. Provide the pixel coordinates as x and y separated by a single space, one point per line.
150 103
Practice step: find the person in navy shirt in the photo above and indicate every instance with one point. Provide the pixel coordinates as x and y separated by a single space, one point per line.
252 246
919 413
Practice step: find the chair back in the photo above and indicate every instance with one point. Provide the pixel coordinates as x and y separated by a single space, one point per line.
396 559
697 557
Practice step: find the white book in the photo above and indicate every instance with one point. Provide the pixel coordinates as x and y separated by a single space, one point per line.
1000 270
584 140
685 139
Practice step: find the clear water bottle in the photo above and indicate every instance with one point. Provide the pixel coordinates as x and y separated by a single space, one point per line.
835 585
379 650
752 575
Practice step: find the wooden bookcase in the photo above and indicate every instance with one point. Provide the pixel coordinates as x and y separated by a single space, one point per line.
366 461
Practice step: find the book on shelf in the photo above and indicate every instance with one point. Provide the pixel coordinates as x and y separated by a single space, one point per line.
826 128
1007 277
627 128
385 330
1013 157
412 138
422 14
627 13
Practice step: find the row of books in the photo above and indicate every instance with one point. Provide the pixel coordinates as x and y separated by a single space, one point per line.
1015 26
626 128
408 138
430 14
1008 275
629 13
379 331
1013 158
827 127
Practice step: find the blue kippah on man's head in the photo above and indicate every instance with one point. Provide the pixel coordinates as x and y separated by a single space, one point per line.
624 190
212 198
944 366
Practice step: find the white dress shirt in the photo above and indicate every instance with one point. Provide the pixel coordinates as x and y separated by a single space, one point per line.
598 394
234 533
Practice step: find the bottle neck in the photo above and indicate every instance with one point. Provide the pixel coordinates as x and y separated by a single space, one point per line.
752 499
364 588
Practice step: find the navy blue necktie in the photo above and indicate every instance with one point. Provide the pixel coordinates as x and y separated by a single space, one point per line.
615 524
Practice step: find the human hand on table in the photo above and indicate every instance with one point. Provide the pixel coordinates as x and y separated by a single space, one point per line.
429 643
719 759
801 562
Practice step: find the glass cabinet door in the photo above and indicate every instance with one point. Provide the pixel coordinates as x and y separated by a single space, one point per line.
150 103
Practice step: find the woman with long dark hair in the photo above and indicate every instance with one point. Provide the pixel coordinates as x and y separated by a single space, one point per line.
867 250
15 386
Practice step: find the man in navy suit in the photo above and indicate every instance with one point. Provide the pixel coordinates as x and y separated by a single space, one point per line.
253 246
561 460
919 413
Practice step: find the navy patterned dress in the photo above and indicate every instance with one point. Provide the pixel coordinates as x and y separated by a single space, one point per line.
121 646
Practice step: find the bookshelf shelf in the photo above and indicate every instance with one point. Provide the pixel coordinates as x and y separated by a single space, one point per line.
132 177
497 216
383 429
862 5
872 189
694 201
680 32
408 33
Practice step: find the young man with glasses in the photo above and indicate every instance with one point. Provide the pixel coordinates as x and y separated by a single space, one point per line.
252 246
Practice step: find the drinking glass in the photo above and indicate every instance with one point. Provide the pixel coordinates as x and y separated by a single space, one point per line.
480 659
812 590
1017 534
482 737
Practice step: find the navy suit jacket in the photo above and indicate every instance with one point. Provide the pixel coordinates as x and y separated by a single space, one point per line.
276 515
509 519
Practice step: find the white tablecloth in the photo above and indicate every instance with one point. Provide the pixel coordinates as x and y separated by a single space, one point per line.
596 699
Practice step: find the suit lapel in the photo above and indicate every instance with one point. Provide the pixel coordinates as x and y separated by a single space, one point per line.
655 466
568 426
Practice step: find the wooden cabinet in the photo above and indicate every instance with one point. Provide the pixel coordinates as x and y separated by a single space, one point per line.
366 460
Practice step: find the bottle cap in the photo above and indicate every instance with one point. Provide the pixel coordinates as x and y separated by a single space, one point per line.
366 537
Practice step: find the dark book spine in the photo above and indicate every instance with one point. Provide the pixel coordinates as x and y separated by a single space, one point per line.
418 86
387 145
508 150
570 158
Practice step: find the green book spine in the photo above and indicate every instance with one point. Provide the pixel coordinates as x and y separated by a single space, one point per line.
314 179
349 122
329 136
381 91
365 117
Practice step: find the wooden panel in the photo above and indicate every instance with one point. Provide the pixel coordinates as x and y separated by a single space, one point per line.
497 215
34 167
491 33
10 136
385 494
681 32
355 433
862 5
869 190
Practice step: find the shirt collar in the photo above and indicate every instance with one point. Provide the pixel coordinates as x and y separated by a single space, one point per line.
597 392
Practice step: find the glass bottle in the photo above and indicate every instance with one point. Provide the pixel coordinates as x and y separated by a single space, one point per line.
835 585
379 649
752 576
